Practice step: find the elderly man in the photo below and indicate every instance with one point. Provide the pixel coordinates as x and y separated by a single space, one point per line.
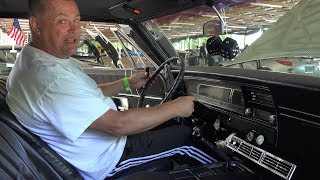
51 96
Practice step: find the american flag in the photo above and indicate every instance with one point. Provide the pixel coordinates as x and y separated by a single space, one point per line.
16 33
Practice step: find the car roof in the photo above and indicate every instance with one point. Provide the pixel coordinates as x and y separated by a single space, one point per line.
106 10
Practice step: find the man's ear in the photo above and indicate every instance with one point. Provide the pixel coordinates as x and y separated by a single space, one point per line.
34 25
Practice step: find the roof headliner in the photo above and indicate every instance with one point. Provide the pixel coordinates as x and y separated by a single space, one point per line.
100 10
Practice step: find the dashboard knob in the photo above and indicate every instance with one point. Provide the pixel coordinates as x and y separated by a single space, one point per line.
250 136
272 119
248 112
260 139
229 120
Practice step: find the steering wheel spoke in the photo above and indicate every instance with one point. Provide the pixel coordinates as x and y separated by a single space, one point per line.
173 87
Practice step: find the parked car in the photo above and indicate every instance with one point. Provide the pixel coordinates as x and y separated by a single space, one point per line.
8 55
257 124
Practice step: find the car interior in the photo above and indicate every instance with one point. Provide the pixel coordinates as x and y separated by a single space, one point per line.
256 124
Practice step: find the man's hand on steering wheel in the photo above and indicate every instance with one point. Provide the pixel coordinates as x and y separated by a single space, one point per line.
138 80
173 87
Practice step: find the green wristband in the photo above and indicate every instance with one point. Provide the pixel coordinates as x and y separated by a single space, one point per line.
126 84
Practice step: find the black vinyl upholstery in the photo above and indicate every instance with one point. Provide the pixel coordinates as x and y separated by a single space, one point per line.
3 89
58 164
19 160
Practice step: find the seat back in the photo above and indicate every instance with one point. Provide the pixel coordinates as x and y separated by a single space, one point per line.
3 89
64 169
19 160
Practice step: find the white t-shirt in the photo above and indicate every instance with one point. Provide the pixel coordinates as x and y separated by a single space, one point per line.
57 101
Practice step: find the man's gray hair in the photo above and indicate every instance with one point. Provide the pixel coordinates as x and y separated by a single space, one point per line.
37 7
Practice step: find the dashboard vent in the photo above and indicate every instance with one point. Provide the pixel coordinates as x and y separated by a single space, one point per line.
277 164
250 151
265 159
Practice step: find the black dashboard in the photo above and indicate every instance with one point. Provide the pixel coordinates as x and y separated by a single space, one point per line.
247 109
277 113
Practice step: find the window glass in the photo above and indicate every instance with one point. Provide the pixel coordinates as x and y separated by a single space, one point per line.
7 58
102 45
111 46
183 34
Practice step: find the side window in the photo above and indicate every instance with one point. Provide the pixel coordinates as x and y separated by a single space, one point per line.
137 56
111 48
7 58
250 65
161 38
131 52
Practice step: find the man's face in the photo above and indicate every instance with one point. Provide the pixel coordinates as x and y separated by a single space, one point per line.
59 28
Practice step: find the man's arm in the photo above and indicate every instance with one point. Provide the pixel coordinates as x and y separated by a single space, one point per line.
113 88
134 121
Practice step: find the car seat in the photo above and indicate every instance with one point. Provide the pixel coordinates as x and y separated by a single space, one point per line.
55 164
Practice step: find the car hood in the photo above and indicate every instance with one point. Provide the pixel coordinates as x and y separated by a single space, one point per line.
297 33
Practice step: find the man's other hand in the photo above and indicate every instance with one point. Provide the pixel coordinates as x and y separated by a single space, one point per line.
184 106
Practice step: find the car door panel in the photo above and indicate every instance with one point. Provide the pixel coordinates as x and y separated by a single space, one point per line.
154 94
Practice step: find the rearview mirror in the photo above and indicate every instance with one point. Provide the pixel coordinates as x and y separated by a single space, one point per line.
212 28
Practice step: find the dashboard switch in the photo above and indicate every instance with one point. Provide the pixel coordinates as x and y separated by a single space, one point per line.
250 136
229 120
248 112
272 119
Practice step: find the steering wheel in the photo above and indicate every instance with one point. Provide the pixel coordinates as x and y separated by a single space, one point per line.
173 87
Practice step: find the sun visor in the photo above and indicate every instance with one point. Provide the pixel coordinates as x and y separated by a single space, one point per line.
295 34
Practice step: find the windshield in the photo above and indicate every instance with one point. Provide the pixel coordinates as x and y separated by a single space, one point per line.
280 46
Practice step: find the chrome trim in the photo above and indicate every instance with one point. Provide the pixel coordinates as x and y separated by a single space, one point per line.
301 112
232 141
300 119
201 79
137 96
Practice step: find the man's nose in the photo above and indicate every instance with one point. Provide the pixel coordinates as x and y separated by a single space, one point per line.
74 27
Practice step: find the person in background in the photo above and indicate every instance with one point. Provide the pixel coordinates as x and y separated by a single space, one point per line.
54 98
203 55
122 53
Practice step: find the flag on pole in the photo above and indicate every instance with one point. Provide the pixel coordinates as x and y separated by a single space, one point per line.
16 33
